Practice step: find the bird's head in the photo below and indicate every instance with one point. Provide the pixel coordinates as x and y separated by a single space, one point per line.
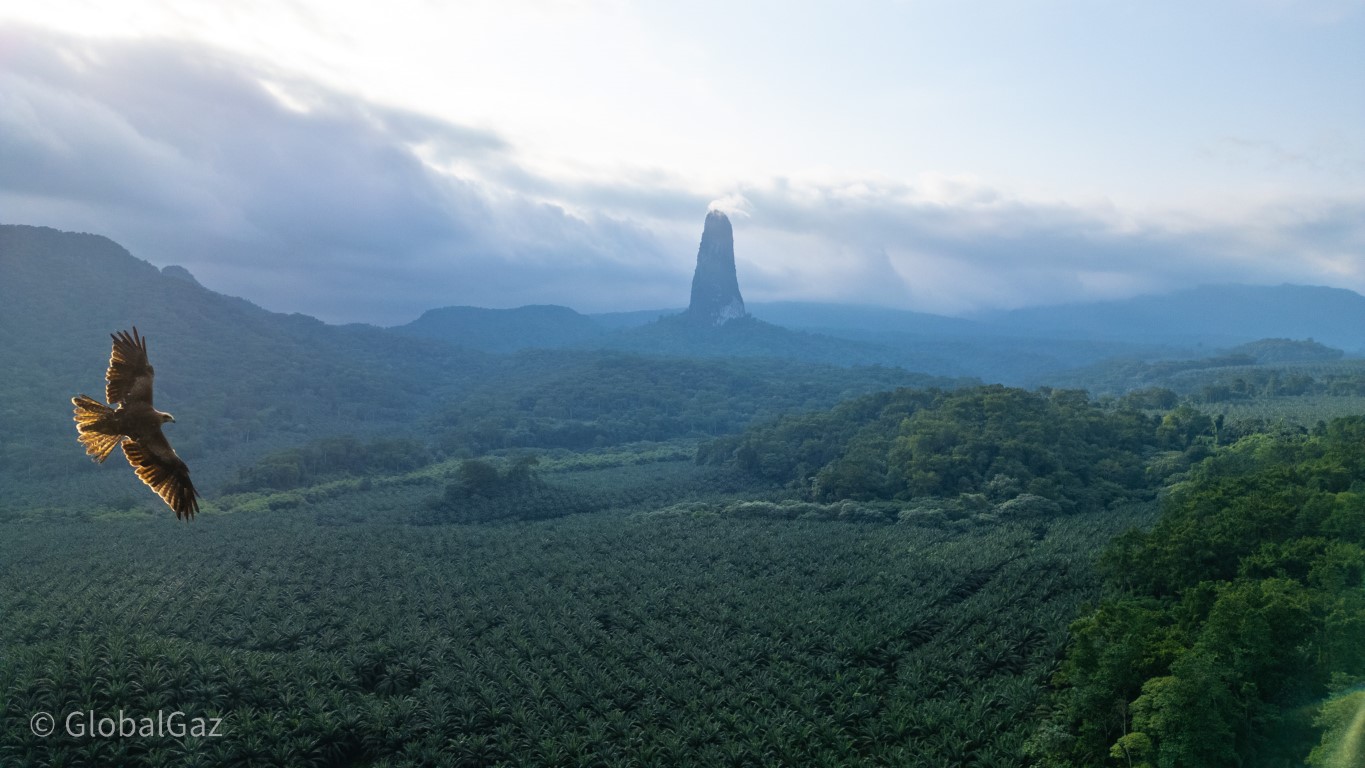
165 417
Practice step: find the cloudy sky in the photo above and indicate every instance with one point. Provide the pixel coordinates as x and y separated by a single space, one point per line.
366 161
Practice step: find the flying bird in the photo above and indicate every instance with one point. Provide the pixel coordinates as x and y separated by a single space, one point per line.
135 425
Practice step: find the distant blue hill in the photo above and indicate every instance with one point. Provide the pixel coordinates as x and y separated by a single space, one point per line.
824 333
541 326
620 320
836 317
1213 315
1020 346
1208 316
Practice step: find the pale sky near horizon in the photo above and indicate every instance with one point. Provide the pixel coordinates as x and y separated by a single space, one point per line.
364 162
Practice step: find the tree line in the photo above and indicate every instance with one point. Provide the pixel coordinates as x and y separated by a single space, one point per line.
1231 620
994 443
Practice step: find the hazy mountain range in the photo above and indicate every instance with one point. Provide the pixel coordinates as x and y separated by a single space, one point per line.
78 287
251 380
1209 316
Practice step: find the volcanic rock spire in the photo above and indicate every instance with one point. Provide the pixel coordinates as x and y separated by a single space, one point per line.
715 288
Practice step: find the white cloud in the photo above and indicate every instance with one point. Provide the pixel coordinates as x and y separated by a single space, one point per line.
306 198
733 204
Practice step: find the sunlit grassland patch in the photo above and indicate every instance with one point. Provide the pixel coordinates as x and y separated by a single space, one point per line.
1343 740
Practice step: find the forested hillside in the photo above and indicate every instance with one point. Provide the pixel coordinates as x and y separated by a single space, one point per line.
1228 623
238 378
607 608
1226 627
578 400
413 553
978 447
742 610
244 382
1266 368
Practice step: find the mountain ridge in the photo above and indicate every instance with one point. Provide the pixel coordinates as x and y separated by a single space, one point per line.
1183 324
1015 346
542 326
1227 313
247 377
245 382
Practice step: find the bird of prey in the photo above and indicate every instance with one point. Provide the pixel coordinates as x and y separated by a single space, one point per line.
135 425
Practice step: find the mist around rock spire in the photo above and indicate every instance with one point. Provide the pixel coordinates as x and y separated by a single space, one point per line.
715 286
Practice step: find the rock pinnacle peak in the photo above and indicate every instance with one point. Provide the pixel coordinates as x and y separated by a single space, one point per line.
715 287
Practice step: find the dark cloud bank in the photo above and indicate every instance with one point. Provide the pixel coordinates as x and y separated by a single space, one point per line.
319 203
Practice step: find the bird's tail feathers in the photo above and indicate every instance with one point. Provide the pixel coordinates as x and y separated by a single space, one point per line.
94 427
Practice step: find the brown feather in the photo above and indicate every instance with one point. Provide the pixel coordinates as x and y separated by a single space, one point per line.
130 376
164 472
95 427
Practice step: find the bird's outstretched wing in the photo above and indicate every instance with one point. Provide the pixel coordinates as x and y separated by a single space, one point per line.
164 472
130 375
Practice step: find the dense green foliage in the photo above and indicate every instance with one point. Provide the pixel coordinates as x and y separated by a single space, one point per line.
1267 351
999 444
244 382
516 559
1229 377
1230 618
1261 364
483 492
332 632
1281 382
328 459
579 400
